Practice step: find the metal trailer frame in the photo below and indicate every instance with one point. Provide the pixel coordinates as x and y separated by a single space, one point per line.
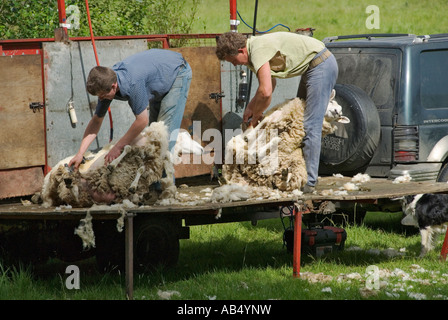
207 214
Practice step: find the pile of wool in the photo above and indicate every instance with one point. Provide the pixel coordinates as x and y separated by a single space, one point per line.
226 193
354 184
402 179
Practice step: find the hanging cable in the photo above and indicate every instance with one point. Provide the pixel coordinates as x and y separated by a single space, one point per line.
253 33
254 29
98 63
70 105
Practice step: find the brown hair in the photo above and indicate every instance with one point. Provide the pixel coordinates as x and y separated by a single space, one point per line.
228 44
100 80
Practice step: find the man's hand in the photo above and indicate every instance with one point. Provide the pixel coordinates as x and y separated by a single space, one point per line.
112 155
252 118
76 161
140 123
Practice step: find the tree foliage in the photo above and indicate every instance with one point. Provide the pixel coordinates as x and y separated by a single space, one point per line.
38 19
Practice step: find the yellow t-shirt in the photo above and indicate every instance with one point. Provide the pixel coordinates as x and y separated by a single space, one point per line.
289 54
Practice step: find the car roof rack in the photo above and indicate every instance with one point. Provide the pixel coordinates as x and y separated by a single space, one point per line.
371 36
436 35
368 36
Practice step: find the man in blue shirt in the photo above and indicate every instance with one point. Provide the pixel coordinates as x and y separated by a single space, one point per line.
156 78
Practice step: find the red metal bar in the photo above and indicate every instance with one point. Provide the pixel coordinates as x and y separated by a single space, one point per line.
92 38
61 11
14 43
62 15
444 251
233 21
297 241
17 49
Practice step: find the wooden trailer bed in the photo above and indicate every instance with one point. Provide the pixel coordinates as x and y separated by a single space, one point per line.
370 192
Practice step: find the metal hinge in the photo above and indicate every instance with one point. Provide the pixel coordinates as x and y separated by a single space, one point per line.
36 106
216 96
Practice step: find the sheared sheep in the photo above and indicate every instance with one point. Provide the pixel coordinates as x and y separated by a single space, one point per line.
130 176
271 153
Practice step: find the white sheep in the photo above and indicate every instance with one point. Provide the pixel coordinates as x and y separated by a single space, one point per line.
130 176
271 153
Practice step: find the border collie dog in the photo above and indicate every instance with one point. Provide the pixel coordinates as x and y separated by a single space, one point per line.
428 212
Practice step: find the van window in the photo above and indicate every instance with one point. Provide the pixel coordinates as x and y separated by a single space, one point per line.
373 72
434 79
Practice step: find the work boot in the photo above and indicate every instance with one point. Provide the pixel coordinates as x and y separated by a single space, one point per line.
308 189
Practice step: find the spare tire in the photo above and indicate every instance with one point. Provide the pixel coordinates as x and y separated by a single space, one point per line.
349 150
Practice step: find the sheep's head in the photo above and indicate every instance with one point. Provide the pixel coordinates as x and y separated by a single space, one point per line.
334 111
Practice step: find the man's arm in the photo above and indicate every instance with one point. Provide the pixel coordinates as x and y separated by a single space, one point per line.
89 135
262 98
140 123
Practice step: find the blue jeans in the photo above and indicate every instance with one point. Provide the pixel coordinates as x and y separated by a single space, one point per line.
171 108
315 87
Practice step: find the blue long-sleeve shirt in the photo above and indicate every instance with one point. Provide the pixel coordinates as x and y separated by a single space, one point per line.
142 78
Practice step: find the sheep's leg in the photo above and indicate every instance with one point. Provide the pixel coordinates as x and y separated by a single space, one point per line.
272 146
74 190
134 183
257 146
115 162
286 175
289 177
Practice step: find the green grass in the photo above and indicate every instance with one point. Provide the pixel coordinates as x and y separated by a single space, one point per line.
328 17
238 261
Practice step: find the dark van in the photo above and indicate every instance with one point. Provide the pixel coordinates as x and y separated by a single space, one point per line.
394 88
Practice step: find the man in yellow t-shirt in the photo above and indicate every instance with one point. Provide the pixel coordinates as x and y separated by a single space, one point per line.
285 55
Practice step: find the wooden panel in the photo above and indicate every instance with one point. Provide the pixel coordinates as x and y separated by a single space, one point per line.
22 137
190 166
206 79
20 182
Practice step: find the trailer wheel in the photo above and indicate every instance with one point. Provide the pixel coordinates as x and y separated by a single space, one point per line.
23 242
109 244
156 243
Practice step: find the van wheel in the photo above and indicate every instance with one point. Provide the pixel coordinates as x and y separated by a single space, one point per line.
349 150
443 174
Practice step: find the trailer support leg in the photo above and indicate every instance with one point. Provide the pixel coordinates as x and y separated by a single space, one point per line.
297 241
444 251
129 256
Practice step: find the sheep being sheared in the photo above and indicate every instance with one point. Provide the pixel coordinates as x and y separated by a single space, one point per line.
129 176
271 153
